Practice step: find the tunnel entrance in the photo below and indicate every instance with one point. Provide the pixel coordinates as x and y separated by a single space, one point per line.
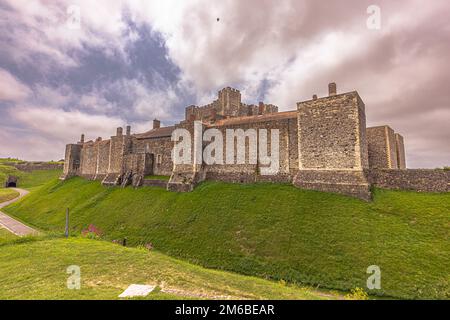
11 182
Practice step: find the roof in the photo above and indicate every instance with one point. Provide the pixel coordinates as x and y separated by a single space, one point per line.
156 133
259 118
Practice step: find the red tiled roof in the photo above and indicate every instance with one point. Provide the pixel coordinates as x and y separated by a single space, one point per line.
259 118
156 133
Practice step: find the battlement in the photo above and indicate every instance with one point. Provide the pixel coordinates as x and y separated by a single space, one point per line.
227 105
229 89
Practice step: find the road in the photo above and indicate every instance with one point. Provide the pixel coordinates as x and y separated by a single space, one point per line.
12 225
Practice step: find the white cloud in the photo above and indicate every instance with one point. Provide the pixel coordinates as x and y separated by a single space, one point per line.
296 46
12 89
65 126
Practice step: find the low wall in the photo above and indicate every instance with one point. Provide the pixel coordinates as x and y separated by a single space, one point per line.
155 183
32 166
422 180
348 182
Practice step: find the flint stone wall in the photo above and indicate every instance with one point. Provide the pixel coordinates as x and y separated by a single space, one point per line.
331 133
421 180
33 166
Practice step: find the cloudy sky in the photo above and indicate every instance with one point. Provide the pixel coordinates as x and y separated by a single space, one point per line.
127 62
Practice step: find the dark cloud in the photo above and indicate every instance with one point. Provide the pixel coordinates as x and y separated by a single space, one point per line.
134 60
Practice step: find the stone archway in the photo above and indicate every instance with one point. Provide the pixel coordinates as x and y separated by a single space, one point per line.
11 182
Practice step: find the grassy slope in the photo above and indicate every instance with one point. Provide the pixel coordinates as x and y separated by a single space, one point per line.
6 236
5 171
7 194
34 180
268 230
107 269
153 177
27 180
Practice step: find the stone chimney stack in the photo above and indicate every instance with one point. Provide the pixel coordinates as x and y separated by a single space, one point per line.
332 89
261 107
156 124
82 138
119 131
128 130
315 97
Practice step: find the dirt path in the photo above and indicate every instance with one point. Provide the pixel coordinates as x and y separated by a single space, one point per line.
12 225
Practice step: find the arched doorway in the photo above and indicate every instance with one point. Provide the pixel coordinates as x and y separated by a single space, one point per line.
11 182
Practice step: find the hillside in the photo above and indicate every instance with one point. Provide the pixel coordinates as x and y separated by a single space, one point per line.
7 194
27 180
108 269
269 231
6 236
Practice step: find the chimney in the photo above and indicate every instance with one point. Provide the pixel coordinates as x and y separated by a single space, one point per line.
119 131
128 130
82 138
261 107
315 97
156 124
332 90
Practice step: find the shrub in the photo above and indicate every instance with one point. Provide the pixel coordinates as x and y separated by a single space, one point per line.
92 232
357 294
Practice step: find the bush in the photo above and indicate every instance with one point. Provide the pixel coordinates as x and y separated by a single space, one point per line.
357 294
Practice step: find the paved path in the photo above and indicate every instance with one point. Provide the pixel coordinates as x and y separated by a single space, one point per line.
12 225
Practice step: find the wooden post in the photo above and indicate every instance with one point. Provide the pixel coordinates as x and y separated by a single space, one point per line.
66 233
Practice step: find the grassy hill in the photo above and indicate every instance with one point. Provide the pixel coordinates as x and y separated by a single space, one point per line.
7 194
268 230
108 269
28 180
6 236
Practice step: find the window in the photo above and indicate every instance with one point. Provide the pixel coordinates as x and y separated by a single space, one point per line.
159 159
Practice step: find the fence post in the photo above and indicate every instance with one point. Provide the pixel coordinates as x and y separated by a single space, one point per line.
66 232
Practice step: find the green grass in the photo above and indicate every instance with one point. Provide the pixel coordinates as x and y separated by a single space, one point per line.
28 180
7 194
10 160
36 179
6 236
36 269
153 177
5 171
269 230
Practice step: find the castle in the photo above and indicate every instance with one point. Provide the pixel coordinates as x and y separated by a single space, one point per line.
324 145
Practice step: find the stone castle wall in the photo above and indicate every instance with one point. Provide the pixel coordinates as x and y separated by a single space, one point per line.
227 105
386 148
250 172
400 146
72 160
323 145
89 160
331 133
161 148
332 145
421 180
103 149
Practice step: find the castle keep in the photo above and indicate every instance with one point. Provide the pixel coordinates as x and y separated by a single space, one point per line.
324 145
